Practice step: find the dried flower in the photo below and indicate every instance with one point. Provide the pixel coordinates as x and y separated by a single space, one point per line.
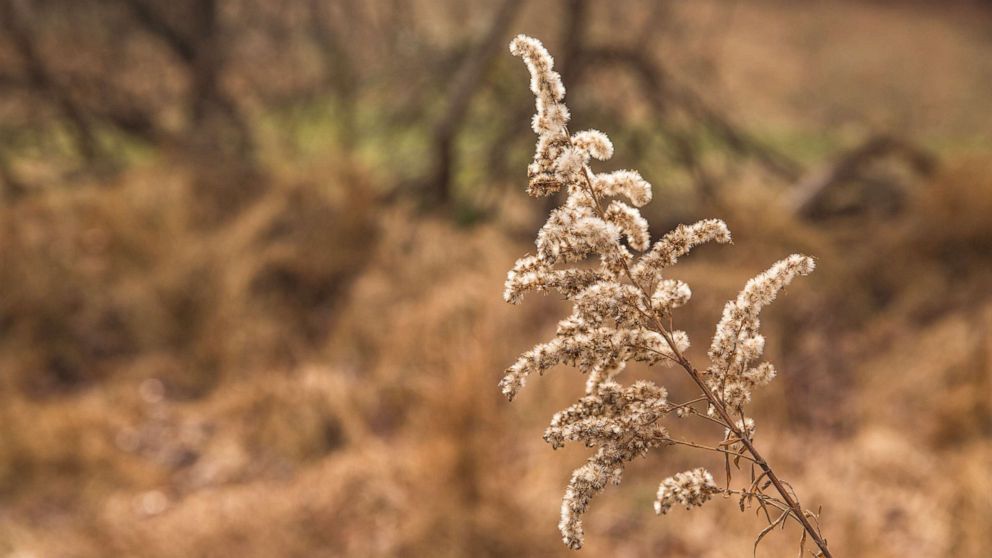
669 295
667 251
630 222
620 310
737 342
622 423
689 488
594 142
626 183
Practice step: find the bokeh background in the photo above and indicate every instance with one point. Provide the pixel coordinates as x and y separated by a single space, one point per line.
252 253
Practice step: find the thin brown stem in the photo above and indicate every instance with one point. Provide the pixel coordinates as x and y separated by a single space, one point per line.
709 448
763 497
707 417
760 460
717 403
687 403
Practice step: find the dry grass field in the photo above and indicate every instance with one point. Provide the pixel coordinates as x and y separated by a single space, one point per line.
201 358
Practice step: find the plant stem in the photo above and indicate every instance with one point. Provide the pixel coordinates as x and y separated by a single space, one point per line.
797 511
700 446
714 401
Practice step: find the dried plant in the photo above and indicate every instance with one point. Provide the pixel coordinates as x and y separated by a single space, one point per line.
623 311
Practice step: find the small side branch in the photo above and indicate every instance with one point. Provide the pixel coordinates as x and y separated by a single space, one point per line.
717 404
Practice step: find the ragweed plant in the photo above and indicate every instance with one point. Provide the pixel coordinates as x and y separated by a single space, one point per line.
623 310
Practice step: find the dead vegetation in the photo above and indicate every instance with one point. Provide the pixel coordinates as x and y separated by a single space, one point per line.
376 438
207 358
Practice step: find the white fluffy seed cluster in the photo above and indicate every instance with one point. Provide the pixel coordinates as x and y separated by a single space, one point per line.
560 160
677 243
608 326
689 488
617 304
737 344
622 423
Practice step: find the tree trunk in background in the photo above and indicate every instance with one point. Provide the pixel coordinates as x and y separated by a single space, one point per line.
216 121
463 87
13 23
11 187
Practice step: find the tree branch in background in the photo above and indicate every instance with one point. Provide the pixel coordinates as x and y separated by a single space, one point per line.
573 34
215 115
654 84
463 87
13 23
734 137
180 44
810 192
665 95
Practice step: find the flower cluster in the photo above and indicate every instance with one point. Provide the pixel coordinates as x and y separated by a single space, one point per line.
622 422
737 343
619 306
690 488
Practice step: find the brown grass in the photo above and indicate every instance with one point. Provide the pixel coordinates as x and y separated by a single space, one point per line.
313 375
386 435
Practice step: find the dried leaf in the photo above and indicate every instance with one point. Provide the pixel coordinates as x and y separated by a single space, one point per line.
766 530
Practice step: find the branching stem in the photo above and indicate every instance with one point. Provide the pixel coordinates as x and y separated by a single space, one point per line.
715 402
710 448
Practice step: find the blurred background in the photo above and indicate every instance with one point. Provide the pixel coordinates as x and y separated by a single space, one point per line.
252 253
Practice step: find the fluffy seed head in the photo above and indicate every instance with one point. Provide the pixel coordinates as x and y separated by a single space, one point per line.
689 488
619 307
596 143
